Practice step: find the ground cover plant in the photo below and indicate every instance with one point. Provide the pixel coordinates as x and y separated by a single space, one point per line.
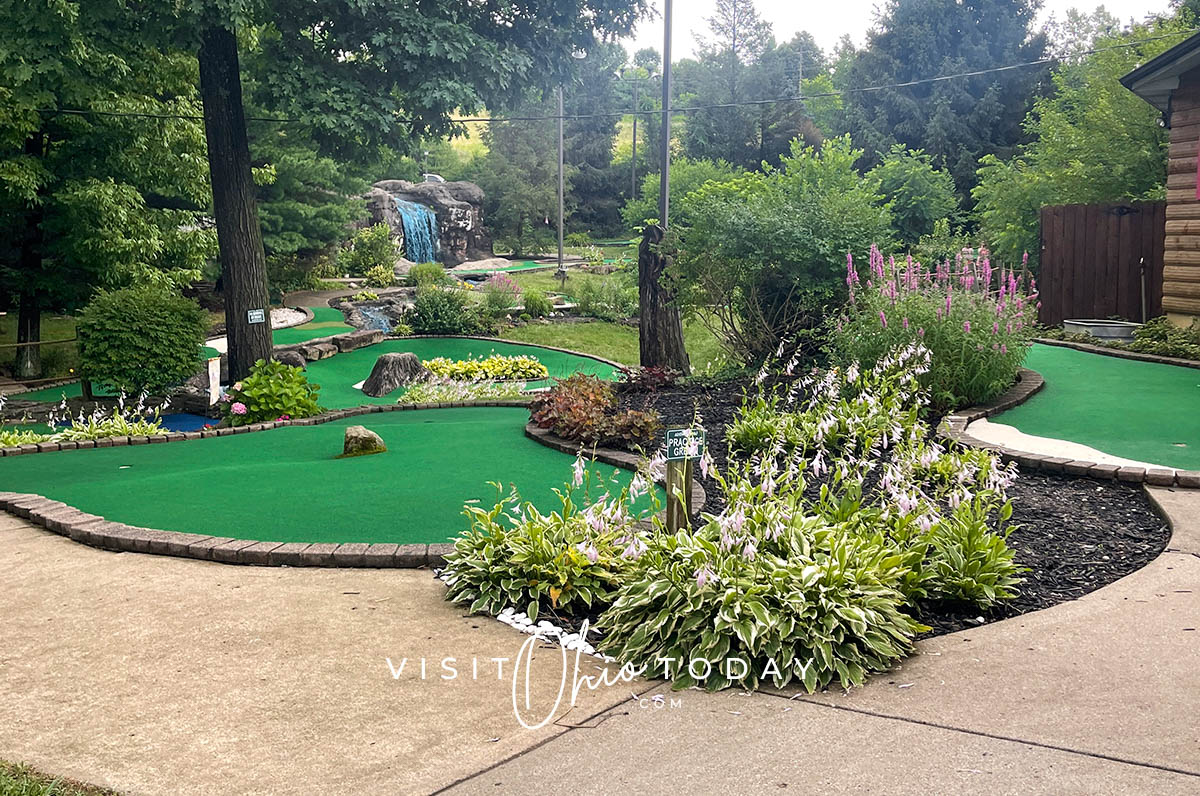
272 391
833 531
497 367
452 391
977 322
583 409
1157 336
123 419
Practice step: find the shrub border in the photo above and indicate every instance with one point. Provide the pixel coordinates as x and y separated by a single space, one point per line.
1119 353
954 428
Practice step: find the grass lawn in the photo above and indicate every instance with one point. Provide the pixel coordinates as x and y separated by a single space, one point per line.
19 780
617 342
56 359
546 282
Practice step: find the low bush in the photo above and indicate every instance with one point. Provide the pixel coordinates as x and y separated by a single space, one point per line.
638 379
1160 336
12 437
976 321
370 248
583 409
272 391
608 299
401 329
537 304
500 294
140 339
380 276
494 368
365 295
443 311
461 391
427 275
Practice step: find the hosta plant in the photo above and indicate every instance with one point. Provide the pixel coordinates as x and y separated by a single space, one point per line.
461 391
494 368
567 561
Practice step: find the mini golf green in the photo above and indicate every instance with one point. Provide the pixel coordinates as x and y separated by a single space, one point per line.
338 374
1139 410
285 485
326 321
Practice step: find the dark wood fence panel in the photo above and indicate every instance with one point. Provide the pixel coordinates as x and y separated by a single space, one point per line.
1093 258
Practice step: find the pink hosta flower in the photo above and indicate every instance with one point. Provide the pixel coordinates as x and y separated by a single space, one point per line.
634 550
704 576
925 522
750 551
638 487
577 472
589 550
238 408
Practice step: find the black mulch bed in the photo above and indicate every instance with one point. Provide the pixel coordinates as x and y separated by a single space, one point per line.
1074 534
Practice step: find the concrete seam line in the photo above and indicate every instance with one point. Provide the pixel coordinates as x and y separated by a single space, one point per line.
541 743
992 735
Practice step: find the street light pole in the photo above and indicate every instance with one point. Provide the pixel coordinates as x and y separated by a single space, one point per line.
664 186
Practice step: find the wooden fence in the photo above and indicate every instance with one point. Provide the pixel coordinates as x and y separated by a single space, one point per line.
1101 261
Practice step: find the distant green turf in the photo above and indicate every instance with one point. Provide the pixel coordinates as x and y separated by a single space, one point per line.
337 375
286 486
1137 410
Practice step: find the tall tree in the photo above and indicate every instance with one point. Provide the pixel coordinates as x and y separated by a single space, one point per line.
100 198
596 187
956 121
360 73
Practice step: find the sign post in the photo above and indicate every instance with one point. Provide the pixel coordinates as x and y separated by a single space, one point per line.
683 446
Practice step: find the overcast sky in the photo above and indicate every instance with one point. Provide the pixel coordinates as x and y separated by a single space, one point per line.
826 20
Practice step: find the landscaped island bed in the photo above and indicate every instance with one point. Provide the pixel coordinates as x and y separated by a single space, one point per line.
1144 411
285 485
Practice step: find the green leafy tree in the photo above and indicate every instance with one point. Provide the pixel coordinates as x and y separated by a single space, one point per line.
686 176
957 121
763 256
1091 140
356 74
918 193
97 198
596 186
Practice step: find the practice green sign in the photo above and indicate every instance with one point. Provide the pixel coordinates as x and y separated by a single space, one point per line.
684 443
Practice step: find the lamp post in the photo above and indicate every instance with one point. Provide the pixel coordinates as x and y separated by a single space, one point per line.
578 55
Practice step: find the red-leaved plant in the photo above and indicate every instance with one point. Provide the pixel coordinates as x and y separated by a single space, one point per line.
583 409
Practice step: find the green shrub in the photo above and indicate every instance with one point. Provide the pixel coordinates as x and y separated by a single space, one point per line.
290 272
582 408
12 437
577 239
365 295
140 339
272 391
607 299
537 303
758 424
370 248
494 368
380 276
401 329
427 275
443 311
1160 336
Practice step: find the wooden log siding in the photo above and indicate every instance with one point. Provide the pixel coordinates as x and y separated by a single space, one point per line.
1092 260
1181 244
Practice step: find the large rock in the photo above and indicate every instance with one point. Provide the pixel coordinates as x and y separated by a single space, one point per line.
393 371
351 341
313 350
291 357
457 205
360 441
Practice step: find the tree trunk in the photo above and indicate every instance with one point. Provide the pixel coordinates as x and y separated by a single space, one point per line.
660 330
243 264
29 330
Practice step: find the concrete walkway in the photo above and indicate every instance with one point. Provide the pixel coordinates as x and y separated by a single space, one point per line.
156 675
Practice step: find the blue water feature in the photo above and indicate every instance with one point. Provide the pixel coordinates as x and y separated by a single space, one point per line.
376 319
420 231
185 421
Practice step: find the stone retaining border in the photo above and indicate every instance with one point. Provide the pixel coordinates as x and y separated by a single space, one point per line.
954 428
1119 353
96 531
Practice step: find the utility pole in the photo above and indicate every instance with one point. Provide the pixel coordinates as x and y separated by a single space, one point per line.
561 266
664 186
633 159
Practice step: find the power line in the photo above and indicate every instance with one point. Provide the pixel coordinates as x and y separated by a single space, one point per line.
681 109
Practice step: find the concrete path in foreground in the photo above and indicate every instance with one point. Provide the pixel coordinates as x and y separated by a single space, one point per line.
158 675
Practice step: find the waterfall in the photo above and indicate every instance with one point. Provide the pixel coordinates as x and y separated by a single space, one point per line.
420 231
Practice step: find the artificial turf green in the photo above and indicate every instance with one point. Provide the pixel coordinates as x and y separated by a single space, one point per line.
286 485
1138 410
337 375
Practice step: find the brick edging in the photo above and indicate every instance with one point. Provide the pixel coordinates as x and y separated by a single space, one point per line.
1119 353
616 458
954 428
96 531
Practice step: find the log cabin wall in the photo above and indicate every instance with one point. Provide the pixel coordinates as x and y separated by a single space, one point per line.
1181 256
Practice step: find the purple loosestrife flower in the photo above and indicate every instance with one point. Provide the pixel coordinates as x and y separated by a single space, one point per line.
882 319
967 327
